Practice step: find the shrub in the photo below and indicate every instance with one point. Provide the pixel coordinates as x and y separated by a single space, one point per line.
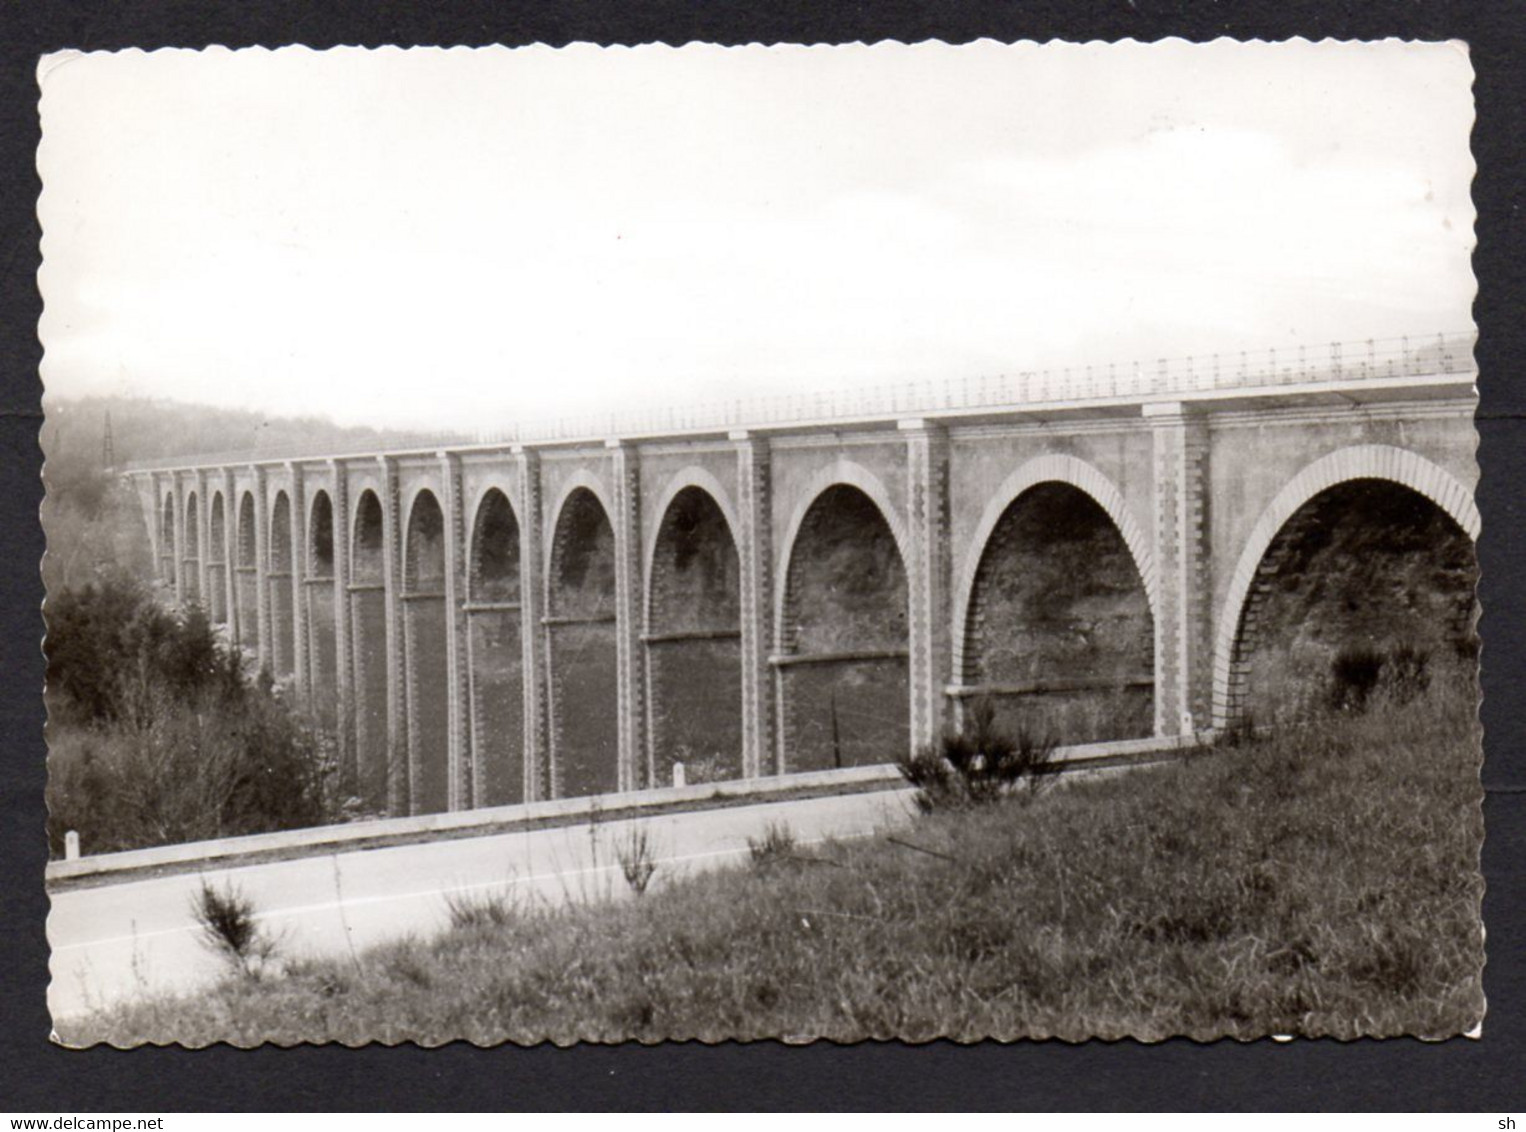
980 763
1408 673
1354 675
492 909
156 736
229 927
196 770
637 859
1359 675
775 847
111 650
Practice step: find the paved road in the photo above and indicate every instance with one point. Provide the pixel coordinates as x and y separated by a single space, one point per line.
138 936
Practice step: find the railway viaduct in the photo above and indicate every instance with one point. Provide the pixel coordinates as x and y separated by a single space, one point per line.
765 587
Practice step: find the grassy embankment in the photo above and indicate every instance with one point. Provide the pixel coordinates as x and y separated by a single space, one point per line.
1324 882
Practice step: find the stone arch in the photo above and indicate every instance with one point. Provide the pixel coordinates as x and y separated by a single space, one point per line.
493 573
693 636
316 591
367 596
280 577
848 473
495 651
246 573
191 560
577 479
1060 468
425 654
695 477
280 533
217 561
1358 462
842 632
320 537
367 538
1077 660
582 642
245 536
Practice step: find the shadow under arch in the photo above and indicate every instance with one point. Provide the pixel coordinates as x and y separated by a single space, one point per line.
217 561
280 579
426 655
1055 607
191 556
495 652
841 672
169 553
693 637
246 588
582 646
367 596
1259 562
315 591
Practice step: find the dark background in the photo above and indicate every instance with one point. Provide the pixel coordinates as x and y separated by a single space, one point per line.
1399 1074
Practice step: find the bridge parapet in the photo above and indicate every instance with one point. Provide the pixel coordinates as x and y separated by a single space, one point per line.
1371 360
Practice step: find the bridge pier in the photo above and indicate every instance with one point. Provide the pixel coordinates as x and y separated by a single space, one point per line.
927 578
296 511
344 669
262 632
230 559
634 759
755 551
533 639
400 772
1183 629
203 541
458 743
177 524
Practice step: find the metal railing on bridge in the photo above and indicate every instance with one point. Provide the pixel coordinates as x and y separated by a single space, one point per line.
1369 359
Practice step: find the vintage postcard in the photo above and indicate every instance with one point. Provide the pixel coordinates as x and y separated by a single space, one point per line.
798 542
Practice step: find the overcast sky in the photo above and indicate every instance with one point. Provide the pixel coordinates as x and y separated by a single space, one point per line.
459 238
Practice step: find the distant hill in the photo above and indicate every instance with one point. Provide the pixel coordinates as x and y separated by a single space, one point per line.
149 429
92 520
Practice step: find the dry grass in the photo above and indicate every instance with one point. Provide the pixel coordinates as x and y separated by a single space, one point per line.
1322 882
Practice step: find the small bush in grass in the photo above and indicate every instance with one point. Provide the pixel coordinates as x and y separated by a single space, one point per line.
775 847
637 859
228 927
1407 676
980 763
1359 675
493 909
1354 675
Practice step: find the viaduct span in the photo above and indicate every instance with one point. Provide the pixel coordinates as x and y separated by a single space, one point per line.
790 584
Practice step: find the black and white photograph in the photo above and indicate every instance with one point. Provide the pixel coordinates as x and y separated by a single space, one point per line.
855 542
